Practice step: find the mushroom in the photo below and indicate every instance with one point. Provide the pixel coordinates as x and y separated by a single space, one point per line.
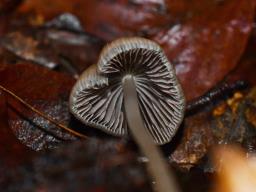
133 89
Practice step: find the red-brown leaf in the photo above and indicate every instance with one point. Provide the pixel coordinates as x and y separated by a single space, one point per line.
47 91
209 45
204 39
11 147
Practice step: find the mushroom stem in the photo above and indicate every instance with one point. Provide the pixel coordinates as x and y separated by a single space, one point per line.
157 166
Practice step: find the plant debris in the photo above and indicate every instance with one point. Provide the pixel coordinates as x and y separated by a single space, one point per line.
96 166
46 45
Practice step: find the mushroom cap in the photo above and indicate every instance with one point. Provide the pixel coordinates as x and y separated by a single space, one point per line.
97 97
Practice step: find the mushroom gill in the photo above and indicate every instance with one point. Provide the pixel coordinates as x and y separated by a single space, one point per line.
97 99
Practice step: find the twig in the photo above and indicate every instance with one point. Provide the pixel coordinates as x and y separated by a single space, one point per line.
80 135
214 94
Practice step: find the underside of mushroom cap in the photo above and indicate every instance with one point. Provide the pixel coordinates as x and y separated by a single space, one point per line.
97 97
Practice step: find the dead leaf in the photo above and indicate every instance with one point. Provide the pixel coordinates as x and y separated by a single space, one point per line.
92 165
205 47
45 90
11 147
200 38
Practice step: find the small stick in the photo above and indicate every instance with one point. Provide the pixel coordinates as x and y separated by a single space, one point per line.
43 115
213 94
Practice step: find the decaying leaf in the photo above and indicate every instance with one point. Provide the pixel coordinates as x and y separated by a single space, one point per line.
204 39
11 147
204 47
69 51
8 5
230 121
28 49
91 165
200 38
45 90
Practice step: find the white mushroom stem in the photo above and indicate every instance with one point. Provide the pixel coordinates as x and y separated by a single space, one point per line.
157 166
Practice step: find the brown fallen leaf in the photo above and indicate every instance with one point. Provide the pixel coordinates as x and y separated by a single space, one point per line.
7 8
231 120
79 50
247 66
11 147
204 48
69 51
8 5
28 49
92 165
227 121
200 38
195 142
116 18
45 90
